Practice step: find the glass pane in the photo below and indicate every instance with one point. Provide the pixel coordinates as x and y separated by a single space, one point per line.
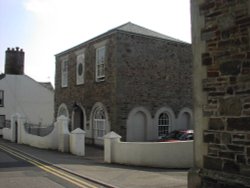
99 122
163 124
163 119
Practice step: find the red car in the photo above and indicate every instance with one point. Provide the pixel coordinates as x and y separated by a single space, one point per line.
178 135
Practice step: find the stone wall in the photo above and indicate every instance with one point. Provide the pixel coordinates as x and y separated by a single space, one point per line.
139 71
221 30
152 73
91 91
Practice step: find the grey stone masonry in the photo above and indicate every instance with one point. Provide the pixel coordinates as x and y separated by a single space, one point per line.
140 70
225 34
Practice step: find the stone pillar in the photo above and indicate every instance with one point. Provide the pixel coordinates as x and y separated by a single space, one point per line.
77 142
109 140
63 134
199 73
20 128
221 74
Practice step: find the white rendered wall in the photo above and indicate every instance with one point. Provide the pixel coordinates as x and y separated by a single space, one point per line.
27 97
57 139
51 141
152 154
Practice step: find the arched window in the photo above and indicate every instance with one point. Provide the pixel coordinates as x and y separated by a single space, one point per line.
163 124
99 123
62 110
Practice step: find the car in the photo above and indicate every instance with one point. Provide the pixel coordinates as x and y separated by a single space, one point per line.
178 135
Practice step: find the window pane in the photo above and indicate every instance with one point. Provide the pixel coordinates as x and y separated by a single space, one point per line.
163 124
99 123
100 63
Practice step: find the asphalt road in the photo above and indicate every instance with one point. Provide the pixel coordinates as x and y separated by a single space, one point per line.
93 168
19 173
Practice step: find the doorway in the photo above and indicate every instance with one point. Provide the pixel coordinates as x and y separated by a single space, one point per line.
78 120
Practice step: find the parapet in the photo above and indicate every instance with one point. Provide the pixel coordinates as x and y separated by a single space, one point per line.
17 49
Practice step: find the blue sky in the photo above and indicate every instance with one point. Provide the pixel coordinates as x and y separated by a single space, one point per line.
43 28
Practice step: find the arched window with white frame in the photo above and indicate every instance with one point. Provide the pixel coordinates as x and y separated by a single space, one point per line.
163 124
63 110
99 123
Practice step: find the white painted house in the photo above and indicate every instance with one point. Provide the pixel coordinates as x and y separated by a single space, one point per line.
21 94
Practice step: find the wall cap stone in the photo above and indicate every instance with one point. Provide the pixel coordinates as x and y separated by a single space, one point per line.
78 131
112 135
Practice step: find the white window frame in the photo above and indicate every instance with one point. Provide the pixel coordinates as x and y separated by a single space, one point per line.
99 121
100 64
63 110
64 73
163 124
80 59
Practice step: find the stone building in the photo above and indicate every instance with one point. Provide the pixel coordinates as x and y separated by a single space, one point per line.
130 80
221 52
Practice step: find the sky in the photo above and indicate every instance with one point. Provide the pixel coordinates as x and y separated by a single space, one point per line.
44 28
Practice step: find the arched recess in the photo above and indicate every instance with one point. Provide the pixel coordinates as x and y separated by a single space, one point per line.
139 125
185 119
78 117
99 123
63 110
164 121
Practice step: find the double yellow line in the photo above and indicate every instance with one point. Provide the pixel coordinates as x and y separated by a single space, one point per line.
49 169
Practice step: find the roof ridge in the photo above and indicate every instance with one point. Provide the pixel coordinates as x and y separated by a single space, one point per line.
130 27
134 28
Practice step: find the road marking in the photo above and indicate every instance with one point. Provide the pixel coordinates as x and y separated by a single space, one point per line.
49 169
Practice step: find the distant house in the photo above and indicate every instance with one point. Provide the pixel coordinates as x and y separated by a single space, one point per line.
130 80
21 94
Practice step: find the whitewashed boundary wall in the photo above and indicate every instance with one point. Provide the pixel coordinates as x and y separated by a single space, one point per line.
152 154
59 138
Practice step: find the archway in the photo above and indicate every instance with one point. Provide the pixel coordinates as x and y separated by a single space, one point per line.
99 123
138 125
185 119
164 121
63 111
78 118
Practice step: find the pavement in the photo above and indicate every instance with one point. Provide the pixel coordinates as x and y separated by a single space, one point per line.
93 167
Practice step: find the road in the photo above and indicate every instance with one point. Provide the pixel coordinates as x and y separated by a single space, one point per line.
20 171
92 167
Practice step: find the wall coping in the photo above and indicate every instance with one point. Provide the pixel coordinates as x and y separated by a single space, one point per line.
111 135
78 131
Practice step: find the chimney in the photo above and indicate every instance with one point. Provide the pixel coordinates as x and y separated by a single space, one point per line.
14 61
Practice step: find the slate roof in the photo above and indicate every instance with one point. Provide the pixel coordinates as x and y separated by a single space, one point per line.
133 28
129 28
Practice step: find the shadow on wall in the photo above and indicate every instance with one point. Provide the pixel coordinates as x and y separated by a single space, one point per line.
37 129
